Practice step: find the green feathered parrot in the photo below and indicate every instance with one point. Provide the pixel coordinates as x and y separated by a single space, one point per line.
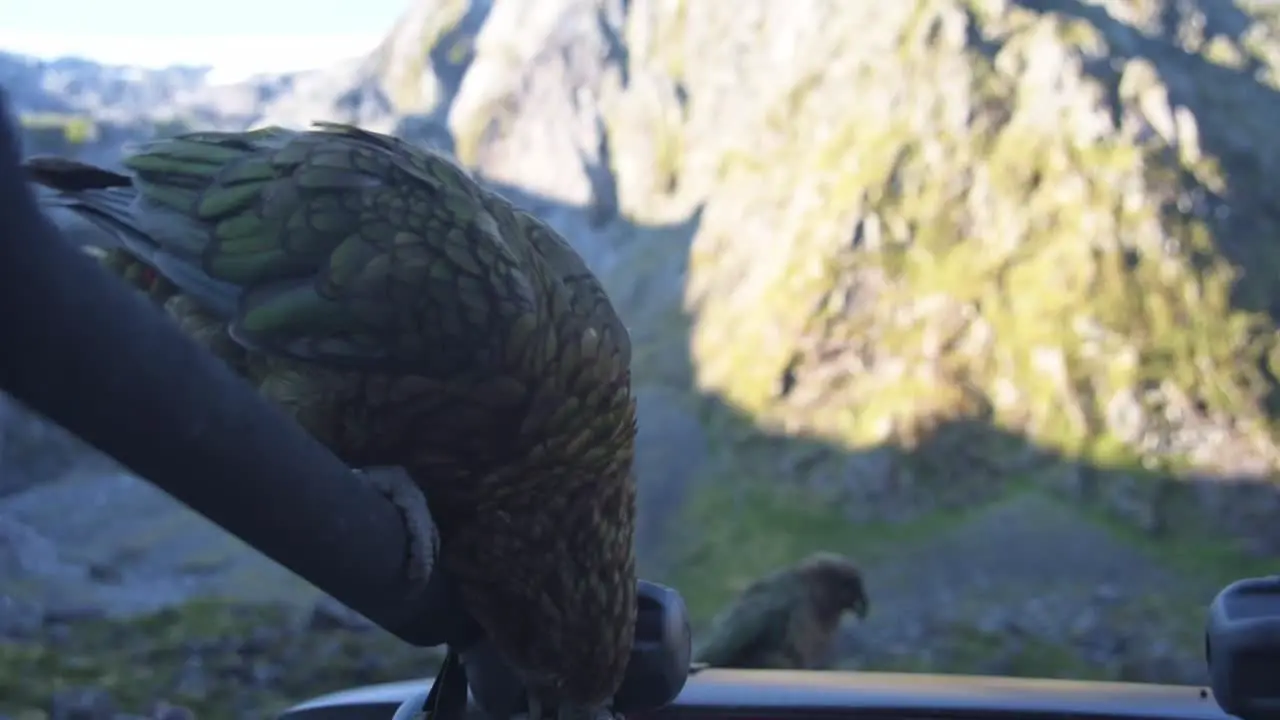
426 331
787 620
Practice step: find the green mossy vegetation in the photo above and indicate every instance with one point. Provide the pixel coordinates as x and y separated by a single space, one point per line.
975 651
57 133
745 529
221 661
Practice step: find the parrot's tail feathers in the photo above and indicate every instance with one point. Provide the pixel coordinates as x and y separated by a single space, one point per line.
88 203
58 173
217 296
99 208
100 217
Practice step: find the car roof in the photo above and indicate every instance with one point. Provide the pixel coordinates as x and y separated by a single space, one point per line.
740 692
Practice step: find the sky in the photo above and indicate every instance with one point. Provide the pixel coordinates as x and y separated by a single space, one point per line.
236 37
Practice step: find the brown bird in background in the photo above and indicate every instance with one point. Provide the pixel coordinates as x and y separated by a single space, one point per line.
787 619
429 333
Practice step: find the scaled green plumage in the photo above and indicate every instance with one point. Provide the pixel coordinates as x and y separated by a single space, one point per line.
408 317
788 619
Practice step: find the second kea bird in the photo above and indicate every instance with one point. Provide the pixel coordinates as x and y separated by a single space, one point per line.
789 619
431 334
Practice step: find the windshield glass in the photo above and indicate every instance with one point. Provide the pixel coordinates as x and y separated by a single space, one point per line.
949 325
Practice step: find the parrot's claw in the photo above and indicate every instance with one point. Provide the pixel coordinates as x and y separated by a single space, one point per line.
424 543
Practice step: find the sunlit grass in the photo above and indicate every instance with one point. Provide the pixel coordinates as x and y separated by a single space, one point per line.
735 533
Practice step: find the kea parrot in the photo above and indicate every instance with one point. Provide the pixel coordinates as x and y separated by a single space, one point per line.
788 619
451 348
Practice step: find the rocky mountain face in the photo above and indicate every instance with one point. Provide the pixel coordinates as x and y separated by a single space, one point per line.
982 292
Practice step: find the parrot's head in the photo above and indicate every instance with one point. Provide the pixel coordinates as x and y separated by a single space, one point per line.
838 582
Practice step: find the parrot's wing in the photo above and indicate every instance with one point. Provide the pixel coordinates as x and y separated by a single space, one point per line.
751 627
586 295
336 245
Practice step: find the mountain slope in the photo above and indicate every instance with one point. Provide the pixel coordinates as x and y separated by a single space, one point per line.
1053 217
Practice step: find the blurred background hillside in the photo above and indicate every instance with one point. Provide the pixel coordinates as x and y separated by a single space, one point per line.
981 293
